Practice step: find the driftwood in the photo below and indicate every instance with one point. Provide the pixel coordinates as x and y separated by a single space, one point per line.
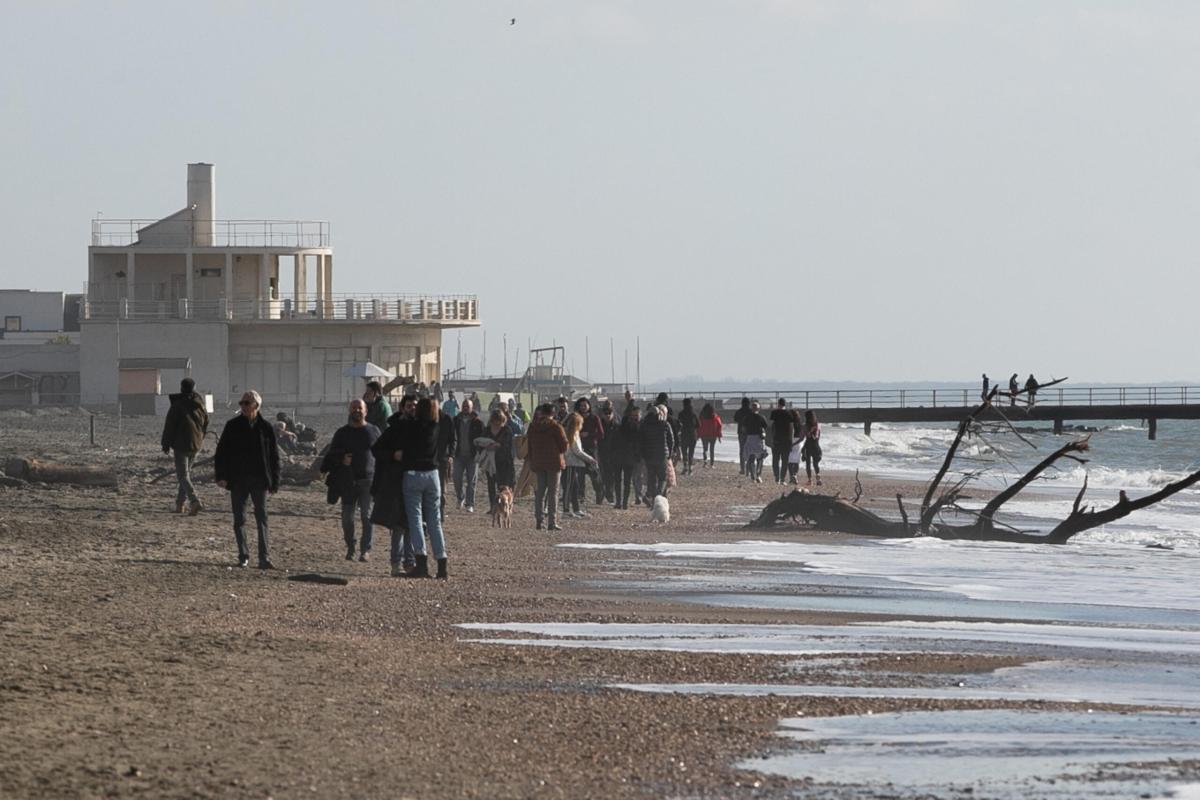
832 513
33 470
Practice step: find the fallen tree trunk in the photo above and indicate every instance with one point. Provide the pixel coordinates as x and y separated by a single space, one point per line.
50 472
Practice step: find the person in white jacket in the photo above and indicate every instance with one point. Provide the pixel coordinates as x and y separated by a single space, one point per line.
578 464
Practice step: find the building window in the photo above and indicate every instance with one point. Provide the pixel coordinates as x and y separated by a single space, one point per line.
12 324
210 272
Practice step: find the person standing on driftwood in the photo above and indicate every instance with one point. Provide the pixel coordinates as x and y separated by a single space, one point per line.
183 432
811 449
1013 390
1031 388
247 465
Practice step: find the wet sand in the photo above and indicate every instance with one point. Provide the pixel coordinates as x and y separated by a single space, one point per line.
137 660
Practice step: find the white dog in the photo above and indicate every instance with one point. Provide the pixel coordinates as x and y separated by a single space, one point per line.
661 510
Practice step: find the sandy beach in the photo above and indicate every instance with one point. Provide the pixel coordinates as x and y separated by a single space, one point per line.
139 661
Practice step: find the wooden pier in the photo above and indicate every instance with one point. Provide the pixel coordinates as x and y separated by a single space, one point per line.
1058 406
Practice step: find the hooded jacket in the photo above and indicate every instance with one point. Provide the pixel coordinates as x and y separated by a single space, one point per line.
186 424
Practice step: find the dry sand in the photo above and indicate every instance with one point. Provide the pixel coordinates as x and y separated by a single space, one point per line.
136 660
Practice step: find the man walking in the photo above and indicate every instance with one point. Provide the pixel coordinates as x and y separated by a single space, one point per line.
351 444
547 443
467 428
781 441
247 465
183 432
739 417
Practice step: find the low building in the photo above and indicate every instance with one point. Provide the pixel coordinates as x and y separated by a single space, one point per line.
195 288
39 348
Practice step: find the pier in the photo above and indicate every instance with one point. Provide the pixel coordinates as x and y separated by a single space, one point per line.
1058 405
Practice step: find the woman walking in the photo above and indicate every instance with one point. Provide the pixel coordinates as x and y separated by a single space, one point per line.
689 424
755 428
626 454
710 434
500 468
812 447
657 443
578 464
795 456
422 488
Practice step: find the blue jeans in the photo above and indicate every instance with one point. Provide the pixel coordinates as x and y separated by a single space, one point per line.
362 499
422 491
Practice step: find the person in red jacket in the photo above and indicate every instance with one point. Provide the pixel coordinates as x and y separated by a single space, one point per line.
547 442
710 434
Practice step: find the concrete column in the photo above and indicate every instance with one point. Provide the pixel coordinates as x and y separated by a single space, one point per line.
228 273
319 290
328 272
130 275
264 285
1058 426
189 281
299 282
1153 429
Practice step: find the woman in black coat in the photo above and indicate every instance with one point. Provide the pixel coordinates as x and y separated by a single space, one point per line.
626 453
388 492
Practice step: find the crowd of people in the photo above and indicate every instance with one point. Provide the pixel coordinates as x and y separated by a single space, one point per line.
395 469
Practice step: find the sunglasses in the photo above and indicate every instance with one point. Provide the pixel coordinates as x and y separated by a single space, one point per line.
246 402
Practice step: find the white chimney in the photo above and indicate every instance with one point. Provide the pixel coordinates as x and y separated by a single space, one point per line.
202 200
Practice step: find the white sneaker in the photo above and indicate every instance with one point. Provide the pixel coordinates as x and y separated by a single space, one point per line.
470 509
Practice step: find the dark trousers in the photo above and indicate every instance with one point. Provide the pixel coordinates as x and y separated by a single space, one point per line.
622 484
444 477
779 462
239 495
576 488
183 474
545 496
362 499
688 448
608 486
656 478
709 454
741 453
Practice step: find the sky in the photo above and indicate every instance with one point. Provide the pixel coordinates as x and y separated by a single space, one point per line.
793 190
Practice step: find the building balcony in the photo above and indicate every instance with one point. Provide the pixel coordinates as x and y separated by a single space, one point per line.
446 310
186 233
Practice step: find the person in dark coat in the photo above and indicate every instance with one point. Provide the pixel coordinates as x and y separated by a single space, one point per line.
657 442
447 444
689 424
782 428
501 448
626 453
739 418
378 408
247 464
351 447
387 489
422 489
605 452
184 431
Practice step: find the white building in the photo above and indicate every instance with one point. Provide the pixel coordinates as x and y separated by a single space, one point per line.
198 295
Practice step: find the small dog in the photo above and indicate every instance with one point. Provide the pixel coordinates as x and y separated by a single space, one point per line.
502 511
660 511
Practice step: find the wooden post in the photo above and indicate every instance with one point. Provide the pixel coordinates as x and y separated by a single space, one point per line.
1058 426
867 427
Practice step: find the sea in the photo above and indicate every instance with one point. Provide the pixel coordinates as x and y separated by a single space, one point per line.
1110 619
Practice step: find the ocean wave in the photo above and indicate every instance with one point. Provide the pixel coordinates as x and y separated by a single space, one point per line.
1115 478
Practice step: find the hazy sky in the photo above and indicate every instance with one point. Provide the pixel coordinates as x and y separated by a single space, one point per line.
791 189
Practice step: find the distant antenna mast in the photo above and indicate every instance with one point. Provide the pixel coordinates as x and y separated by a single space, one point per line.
506 356
483 358
458 356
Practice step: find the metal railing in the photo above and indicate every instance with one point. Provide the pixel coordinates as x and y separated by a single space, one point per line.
297 233
948 397
460 308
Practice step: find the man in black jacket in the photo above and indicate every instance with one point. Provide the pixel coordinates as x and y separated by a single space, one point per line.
247 464
183 432
351 445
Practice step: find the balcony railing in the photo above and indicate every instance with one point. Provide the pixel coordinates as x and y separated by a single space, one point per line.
224 233
457 308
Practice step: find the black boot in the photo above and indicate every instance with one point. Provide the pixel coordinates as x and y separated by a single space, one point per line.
421 570
443 572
